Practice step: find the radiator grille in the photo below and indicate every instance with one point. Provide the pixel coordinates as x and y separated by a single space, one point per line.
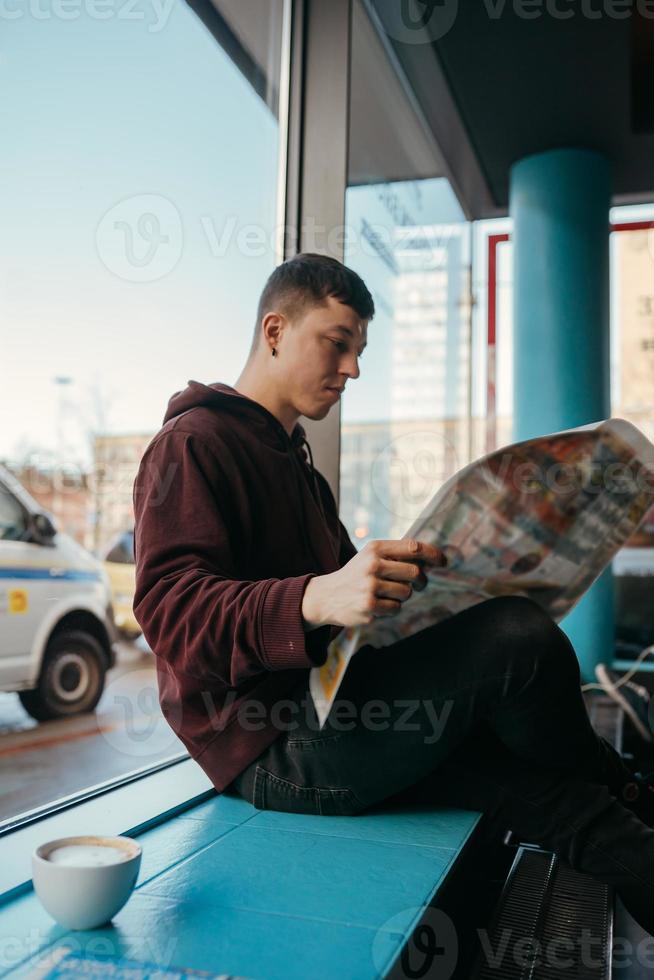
551 924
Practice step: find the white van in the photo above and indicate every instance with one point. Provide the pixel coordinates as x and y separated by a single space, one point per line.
56 623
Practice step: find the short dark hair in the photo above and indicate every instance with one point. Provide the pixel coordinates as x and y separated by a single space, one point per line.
307 280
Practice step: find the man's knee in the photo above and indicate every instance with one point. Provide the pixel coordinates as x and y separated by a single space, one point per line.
520 622
518 615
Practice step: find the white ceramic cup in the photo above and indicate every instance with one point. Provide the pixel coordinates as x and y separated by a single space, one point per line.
85 895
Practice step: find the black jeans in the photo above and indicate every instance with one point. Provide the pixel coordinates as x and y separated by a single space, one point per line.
483 711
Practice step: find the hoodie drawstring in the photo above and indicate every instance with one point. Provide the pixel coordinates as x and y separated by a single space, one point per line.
313 478
305 540
301 461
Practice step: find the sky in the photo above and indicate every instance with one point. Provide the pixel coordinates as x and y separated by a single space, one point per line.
106 123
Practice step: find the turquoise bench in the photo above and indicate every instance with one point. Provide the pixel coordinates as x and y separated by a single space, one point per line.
227 888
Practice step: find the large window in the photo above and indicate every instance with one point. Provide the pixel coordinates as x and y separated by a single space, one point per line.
406 420
632 316
492 368
140 197
632 378
632 396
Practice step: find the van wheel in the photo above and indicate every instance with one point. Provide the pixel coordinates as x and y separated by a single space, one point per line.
72 677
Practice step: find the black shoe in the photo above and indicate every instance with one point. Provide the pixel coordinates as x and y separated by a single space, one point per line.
618 848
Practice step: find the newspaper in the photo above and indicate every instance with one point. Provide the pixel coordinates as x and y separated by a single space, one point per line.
541 518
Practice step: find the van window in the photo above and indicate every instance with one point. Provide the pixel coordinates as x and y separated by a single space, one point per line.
122 550
13 524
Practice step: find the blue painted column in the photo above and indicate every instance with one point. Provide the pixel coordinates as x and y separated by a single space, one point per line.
559 202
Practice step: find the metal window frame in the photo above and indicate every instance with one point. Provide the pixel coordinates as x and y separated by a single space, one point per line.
316 171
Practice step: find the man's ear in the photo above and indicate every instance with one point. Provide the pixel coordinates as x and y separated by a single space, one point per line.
272 328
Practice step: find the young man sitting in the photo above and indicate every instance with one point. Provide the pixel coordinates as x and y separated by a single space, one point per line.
244 573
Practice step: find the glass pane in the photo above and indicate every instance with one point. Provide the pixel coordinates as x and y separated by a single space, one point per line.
405 423
492 402
122 550
12 517
632 377
633 367
139 200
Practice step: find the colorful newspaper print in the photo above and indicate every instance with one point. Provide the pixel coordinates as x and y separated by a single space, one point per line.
542 519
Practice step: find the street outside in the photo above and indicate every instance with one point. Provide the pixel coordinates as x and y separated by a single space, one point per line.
43 762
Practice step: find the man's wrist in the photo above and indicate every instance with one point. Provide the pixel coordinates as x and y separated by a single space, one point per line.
312 616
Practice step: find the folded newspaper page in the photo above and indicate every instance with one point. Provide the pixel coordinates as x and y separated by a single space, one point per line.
541 518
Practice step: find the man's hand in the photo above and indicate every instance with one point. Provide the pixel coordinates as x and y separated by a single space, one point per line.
372 584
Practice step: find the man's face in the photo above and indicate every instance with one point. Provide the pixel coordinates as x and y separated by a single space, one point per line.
320 352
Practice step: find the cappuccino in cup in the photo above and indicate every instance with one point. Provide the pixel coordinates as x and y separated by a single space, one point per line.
87 855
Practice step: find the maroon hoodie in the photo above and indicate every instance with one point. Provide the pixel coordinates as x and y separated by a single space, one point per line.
232 520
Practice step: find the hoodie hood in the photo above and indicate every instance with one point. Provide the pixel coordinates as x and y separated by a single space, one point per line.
228 399
270 430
